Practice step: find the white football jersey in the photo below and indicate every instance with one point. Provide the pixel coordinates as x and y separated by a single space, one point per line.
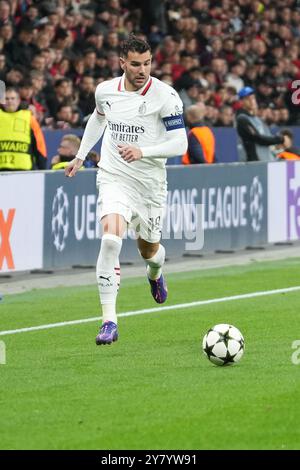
139 118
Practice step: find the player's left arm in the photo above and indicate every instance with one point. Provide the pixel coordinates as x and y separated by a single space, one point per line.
176 139
176 142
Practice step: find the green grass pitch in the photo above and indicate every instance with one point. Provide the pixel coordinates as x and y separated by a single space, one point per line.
154 388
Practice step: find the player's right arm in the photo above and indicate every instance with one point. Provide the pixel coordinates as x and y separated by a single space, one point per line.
171 114
73 167
92 133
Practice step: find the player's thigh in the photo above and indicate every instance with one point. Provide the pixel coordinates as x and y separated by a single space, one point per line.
150 219
114 224
114 207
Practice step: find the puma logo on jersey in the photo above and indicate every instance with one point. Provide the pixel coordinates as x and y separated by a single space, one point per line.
108 104
106 278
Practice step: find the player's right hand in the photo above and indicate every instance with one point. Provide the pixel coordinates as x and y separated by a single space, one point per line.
73 167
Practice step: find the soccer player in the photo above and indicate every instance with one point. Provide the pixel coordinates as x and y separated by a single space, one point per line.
143 123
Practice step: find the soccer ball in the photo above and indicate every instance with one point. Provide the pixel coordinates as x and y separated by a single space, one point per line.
223 344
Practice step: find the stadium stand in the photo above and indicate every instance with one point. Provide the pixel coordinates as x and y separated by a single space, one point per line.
57 52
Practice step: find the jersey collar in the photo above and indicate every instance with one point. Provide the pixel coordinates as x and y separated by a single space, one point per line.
141 91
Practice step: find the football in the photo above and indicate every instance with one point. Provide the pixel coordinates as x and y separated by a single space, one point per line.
223 344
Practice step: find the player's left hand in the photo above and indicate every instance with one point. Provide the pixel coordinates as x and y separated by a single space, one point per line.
73 167
130 153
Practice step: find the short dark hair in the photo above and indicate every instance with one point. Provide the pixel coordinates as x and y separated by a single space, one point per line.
26 83
60 81
134 44
12 88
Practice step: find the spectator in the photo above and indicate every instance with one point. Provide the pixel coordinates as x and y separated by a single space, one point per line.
111 43
94 38
283 117
31 15
201 140
291 152
39 95
63 41
233 79
90 62
211 115
67 150
63 88
5 12
22 50
165 50
3 67
77 70
113 64
226 117
153 13
22 144
189 95
29 101
167 78
86 101
67 116
264 93
256 137
39 63
240 44
15 75
219 68
250 76
6 33
213 50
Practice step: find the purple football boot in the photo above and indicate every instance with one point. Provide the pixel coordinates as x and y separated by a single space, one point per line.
159 289
108 333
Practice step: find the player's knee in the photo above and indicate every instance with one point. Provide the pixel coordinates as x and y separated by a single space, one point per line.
110 248
148 252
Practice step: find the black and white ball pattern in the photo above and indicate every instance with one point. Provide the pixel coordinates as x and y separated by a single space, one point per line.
223 344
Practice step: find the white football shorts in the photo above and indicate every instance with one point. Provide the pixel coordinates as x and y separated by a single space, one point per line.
142 209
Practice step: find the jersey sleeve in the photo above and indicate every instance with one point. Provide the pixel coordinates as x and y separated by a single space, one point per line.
172 111
92 133
98 101
175 142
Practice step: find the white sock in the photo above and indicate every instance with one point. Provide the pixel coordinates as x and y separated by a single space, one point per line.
108 275
155 263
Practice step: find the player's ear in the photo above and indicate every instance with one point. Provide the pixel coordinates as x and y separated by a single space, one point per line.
122 63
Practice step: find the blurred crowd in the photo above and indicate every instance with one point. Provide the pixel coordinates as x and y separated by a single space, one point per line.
57 51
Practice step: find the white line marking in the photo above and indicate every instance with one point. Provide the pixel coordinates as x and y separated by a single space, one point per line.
155 309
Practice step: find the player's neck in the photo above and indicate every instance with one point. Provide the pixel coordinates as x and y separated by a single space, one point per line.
129 87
